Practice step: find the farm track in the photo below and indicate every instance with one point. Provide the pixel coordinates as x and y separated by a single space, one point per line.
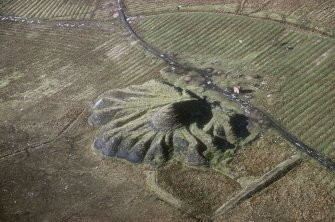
295 118
307 70
209 84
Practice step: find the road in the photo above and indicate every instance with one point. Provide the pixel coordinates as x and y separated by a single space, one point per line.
231 96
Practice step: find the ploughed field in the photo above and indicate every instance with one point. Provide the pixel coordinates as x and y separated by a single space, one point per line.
307 14
60 9
58 56
44 61
296 68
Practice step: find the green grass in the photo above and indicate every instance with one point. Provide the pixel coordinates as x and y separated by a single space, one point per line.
305 14
137 7
305 101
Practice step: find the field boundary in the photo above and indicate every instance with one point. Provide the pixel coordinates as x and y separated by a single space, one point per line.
273 16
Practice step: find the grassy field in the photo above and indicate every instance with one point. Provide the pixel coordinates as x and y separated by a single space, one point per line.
297 68
63 65
59 9
49 76
51 73
307 14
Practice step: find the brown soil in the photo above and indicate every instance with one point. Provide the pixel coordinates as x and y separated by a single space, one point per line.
65 181
260 156
204 190
300 196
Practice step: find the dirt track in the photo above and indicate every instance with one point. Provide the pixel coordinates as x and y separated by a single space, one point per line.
49 76
231 96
